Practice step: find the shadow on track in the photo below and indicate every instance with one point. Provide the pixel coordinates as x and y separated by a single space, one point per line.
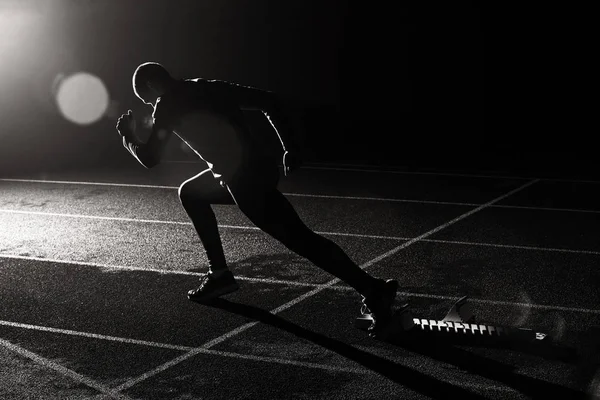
400 374
409 378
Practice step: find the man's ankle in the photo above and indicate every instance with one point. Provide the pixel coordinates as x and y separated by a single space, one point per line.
217 272
370 287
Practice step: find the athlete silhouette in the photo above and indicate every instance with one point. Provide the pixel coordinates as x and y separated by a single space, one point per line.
207 115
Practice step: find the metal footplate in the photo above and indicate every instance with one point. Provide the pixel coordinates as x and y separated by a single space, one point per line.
477 330
458 324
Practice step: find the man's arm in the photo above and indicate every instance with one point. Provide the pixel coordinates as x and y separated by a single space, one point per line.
150 153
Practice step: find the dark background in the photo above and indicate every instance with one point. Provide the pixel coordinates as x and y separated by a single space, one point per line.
448 87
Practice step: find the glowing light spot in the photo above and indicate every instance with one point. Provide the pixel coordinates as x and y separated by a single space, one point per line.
82 98
185 147
594 388
559 327
523 312
148 121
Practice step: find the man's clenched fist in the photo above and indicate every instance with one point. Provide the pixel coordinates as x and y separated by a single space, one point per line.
126 124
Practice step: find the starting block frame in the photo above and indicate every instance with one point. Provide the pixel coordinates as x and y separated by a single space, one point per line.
459 323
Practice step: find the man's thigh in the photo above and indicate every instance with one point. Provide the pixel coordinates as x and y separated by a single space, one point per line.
205 187
253 179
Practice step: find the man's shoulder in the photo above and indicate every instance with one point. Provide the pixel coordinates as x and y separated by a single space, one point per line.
184 95
170 99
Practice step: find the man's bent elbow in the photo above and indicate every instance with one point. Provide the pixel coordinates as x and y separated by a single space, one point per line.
149 163
145 158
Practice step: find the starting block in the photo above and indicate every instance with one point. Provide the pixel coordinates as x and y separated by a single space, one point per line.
459 323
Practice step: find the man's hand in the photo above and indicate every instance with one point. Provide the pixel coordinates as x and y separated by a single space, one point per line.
291 162
126 125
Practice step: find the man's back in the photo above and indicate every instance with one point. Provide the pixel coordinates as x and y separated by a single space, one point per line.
202 114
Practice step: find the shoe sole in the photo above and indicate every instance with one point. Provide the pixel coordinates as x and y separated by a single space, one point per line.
214 295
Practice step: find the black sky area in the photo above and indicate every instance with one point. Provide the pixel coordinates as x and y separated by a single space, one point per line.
378 82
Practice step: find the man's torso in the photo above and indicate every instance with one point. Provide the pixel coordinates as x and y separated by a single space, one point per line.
210 123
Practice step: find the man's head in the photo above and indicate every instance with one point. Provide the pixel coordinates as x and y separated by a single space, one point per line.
150 81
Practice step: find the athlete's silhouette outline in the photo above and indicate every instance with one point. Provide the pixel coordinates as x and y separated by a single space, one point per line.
244 176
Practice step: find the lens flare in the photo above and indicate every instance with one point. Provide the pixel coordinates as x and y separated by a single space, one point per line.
523 311
185 148
559 328
593 391
82 98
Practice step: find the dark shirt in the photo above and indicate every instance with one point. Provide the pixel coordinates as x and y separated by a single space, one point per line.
203 115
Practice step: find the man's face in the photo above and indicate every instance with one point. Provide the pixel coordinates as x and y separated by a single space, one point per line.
152 95
151 100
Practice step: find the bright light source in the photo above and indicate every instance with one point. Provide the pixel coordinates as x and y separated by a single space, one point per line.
16 28
82 98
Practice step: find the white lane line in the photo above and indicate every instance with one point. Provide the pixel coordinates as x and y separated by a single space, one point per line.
388 170
94 336
132 382
355 235
87 183
514 246
388 199
82 216
154 221
352 370
362 236
155 270
239 356
553 209
363 168
499 302
446 203
179 347
335 197
415 173
285 306
63 370
296 283
398 170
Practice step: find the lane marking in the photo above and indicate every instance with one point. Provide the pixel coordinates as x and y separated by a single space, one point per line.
434 173
553 209
325 233
366 168
499 302
384 199
331 368
296 283
228 354
154 270
342 287
289 304
395 172
82 216
134 381
94 336
322 196
63 370
87 183
514 246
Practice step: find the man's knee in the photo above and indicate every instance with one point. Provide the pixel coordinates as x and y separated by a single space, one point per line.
185 193
189 189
